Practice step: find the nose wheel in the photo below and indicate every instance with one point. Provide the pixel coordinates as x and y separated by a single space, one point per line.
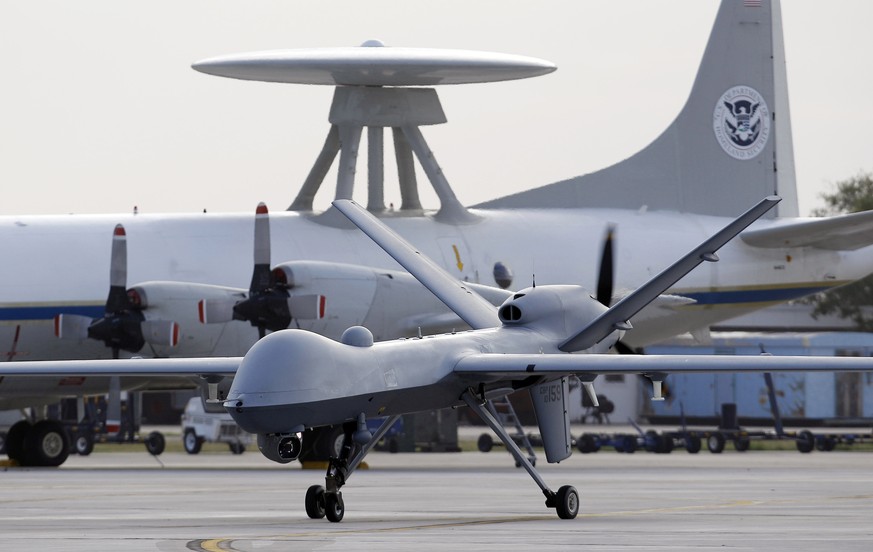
315 502
321 504
334 508
327 501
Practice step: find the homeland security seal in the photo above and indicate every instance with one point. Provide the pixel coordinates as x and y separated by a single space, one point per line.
741 122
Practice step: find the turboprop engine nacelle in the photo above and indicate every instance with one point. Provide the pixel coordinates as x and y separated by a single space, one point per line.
391 303
178 301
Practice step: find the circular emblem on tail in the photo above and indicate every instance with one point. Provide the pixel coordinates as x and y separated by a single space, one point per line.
741 122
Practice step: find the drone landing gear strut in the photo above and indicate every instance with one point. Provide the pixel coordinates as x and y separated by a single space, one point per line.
565 501
328 500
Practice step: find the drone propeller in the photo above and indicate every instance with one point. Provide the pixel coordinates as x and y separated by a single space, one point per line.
606 277
123 327
269 305
606 281
605 285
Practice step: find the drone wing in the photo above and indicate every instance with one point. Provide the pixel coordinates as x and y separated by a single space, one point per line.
513 366
146 367
633 303
458 296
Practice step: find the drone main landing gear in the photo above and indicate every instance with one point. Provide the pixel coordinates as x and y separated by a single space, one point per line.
565 501
327 501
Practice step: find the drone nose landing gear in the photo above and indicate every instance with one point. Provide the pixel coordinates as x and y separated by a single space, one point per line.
327 501
565 501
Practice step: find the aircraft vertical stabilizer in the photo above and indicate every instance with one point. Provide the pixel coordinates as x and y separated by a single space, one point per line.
730 145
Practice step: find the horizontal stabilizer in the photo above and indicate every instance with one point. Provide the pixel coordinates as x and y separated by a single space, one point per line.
837 233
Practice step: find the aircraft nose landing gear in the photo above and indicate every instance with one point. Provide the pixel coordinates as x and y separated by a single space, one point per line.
327 501
320 503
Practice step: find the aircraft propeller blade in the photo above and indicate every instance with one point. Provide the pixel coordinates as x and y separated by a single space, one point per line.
261 277
122 326
117 301
266 307
606 277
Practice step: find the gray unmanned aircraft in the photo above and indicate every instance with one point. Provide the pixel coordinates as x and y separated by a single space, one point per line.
293 380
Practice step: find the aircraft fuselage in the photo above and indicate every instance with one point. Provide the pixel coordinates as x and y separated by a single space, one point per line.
62 264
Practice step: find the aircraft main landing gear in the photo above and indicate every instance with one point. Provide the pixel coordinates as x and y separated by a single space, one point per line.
565 501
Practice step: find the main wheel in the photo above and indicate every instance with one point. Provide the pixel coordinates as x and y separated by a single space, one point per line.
586 444
84 444
334 508
191 442
485 443
155 443
315 502
567 502
742 443
653 442
692 444
715 443
15 438
236 447
47 444
805 441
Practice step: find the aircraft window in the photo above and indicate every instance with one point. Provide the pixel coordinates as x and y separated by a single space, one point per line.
518 295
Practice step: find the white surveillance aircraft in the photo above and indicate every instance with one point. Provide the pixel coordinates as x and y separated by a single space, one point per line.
729 146
294 380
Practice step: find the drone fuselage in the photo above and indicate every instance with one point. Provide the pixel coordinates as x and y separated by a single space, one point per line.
294 380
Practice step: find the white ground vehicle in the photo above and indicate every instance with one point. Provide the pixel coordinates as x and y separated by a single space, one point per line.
199 427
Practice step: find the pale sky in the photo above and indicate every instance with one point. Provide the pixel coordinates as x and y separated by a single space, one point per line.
100 110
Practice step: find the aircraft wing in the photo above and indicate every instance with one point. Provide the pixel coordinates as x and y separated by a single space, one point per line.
458 296
146 367
633 303
838 233
524 365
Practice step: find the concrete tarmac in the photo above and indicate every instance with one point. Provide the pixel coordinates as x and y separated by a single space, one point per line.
440 501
